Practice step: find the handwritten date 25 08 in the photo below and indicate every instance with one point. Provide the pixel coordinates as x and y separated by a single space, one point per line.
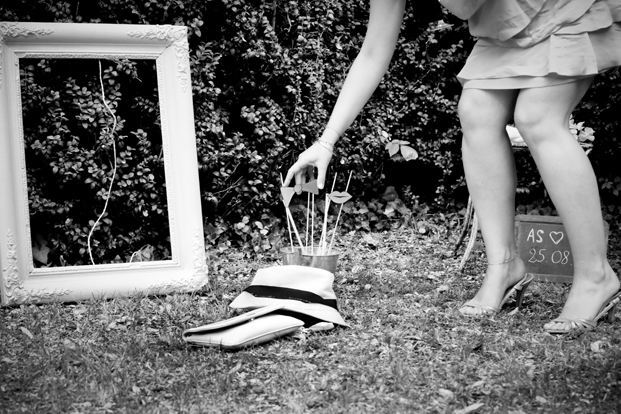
538 256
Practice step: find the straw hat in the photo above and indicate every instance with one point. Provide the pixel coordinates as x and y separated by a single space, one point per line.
301 289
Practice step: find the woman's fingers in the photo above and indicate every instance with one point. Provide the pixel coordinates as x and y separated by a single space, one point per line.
295 168
300 176
315 156
321 177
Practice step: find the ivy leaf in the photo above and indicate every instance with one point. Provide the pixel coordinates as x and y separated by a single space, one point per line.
587 134
392 148
408 153
40 250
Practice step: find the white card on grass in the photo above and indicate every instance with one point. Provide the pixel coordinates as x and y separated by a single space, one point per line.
248 329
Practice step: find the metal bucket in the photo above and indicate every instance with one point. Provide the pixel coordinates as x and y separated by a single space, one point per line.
310 257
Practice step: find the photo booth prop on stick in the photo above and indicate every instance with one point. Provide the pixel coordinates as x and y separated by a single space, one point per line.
307 254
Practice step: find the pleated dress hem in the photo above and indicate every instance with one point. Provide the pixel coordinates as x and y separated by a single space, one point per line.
552 49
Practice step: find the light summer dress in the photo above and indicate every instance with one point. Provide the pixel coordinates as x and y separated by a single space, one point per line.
534 43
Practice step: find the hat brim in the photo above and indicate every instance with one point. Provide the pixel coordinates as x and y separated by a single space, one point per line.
246 300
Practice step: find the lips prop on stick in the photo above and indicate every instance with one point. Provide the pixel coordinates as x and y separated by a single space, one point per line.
324 228
341 198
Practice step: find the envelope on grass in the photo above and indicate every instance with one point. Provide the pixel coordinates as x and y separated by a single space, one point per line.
248 329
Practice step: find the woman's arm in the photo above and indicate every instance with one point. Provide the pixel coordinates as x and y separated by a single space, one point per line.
371 63
364 76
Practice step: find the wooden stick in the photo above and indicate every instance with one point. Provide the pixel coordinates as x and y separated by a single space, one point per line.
287 213
325 218
338 216
289 226
313 224
465 226
307 210
473 237
295 229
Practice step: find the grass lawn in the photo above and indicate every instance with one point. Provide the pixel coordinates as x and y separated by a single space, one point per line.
408 349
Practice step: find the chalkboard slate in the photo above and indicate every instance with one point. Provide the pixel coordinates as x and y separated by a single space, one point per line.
544 247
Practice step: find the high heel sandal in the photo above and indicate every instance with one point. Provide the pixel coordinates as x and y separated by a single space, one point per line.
572 325
520 289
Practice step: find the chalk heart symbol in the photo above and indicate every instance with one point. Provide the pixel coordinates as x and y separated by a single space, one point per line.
556 236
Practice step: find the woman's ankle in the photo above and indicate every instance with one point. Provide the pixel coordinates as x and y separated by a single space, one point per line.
598 273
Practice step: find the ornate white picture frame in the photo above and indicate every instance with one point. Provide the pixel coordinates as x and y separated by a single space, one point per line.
21 282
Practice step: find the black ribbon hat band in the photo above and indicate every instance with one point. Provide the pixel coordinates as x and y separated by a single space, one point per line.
273 292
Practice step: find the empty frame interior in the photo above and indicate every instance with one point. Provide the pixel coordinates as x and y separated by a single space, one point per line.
99 186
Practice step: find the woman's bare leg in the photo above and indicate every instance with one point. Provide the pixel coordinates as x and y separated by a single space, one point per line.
490 174
542 117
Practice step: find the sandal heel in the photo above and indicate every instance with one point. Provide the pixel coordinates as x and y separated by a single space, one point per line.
519 298
519 295
611 314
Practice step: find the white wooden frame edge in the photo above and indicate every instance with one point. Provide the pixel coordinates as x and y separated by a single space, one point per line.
187 271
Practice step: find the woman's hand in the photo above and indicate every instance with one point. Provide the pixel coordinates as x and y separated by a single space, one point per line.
316 156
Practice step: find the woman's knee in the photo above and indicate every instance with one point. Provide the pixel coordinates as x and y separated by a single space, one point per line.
535 123
468 116
481 112
542 113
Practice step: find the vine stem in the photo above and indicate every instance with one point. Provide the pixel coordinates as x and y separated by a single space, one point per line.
111 135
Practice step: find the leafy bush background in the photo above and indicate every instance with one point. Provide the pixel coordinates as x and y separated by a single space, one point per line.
69 154
265 76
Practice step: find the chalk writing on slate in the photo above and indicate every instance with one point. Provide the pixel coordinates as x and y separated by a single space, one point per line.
544 247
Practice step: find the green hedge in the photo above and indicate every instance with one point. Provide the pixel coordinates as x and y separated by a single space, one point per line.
266 74
70 160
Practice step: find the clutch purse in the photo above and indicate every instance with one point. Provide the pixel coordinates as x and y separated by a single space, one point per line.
248 329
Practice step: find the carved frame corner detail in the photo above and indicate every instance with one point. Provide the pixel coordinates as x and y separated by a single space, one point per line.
15 291
177 37
15 30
